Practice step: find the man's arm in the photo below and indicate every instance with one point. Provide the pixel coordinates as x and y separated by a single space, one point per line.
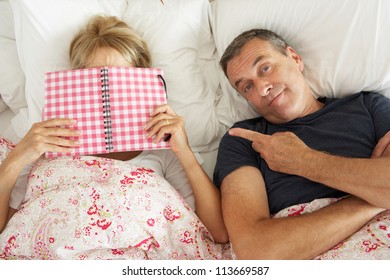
255 236
367 178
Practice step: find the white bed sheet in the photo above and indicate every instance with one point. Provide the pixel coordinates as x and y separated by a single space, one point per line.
5 120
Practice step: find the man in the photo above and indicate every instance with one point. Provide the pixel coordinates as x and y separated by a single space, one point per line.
299 150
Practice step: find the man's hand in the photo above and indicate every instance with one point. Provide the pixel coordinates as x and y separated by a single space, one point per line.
382 148
283 151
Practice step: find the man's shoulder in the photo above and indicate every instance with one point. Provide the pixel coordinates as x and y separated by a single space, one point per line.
363 96
253 124
249 123
369 98
374 95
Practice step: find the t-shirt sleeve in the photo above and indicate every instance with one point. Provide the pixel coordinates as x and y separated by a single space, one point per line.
380 113
234 152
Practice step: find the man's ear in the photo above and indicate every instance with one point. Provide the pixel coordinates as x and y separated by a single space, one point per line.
296 57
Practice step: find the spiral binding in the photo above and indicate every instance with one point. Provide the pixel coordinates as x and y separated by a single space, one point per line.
106 109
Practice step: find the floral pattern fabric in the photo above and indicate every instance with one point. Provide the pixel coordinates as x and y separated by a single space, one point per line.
372 241
96 208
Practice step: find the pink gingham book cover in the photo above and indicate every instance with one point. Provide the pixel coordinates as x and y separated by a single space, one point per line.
111 105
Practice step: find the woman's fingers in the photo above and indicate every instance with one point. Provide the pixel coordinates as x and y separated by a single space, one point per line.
162 123
160 119
60 141
58 122
162 128
52 135
56 127
165 108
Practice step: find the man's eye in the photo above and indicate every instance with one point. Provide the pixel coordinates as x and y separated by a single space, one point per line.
265 69
248 87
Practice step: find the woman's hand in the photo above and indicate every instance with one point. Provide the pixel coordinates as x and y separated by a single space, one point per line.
165 124
43 137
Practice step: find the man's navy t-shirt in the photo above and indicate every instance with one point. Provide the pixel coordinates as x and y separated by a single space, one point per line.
350 126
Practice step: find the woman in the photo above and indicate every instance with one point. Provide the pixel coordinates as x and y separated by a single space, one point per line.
108 41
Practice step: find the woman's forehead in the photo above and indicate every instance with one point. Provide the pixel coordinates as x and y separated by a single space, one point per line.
107 57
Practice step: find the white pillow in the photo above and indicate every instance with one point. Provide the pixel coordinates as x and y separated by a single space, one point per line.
11 75
178 33
344 44
43 31
180 39
3 105
6 19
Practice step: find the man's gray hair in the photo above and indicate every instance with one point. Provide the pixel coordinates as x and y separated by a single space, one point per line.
236 45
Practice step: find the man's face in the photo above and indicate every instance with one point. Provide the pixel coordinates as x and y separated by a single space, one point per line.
271 81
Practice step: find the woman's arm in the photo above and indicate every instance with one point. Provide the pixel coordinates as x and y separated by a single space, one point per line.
207 197
42 137
9 172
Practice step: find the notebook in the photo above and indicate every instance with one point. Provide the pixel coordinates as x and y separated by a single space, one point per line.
111 105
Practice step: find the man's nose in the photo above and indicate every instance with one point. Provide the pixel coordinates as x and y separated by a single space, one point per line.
263 88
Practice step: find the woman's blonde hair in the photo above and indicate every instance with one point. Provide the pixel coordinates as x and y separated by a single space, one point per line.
104 32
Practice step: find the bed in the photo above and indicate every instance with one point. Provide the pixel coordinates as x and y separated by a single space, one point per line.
344 45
